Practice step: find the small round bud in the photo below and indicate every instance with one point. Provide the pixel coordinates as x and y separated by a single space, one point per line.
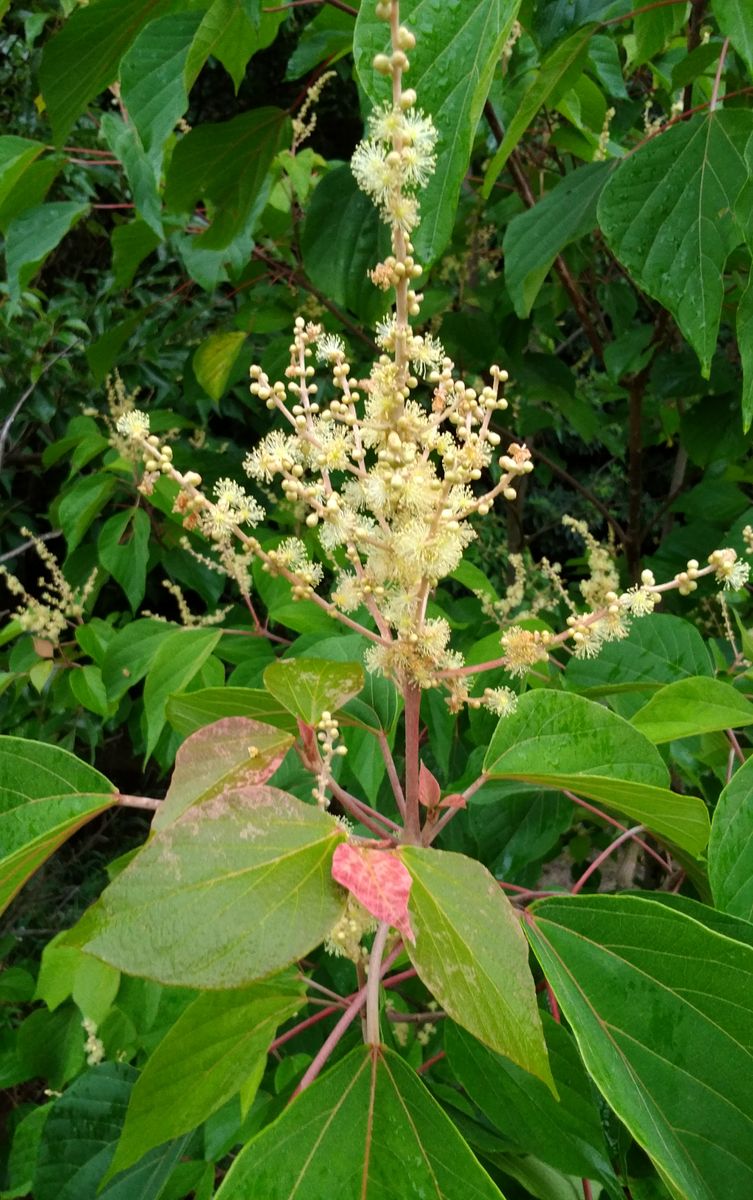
382 64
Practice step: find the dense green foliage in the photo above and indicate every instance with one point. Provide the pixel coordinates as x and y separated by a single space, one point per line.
167 211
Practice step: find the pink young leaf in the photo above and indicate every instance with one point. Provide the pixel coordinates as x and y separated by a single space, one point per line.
378 879
429 790
456 800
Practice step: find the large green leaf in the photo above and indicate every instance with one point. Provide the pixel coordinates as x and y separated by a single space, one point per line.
667 213
33 234
81 503
233 890
123 549
559 740
692 706
79 1139
731 846
534 238
82 59
471 954
177 660
152 81
233 754
307 687
231 31
130 653
367 1129
658 651
214 360
341 239
736 22
662 1009
194 710
565 1133
46 794
225 165
558 71
216 1045
16 154
457 49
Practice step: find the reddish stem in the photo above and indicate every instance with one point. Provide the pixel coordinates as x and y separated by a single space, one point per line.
587 1193
299 1028
412 697
435 1058
600 858
617 825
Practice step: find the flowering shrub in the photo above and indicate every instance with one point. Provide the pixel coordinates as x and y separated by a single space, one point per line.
329 841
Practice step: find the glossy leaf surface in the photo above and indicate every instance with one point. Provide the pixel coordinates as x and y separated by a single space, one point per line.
692 706
662 1010
307 687
194 710
731 846
367 1129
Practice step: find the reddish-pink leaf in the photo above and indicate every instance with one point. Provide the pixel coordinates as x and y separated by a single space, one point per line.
429 790
378 879
456 800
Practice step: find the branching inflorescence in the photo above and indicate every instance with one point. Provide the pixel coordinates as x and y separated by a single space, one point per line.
389 470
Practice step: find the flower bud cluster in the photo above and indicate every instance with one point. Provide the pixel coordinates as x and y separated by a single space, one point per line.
58 604
330 747
344 940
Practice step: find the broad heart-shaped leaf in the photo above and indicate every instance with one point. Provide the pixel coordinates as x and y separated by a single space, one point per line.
367 1130
341 239
205 1058
734 20
177 660
152 82
565 1133
559 70
33 234
457 49
379 880
731 846
534 238
307 687
667 213
46 794
233 890
661 650
231 755
662 1009
471 953
692 706
79 1138
82 59
225 165
559 740
193 710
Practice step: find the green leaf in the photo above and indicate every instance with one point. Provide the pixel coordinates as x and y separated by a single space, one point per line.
177 660
565 1133
457 49
123 550
662 1012
66 971
79 1139
230 34
194 710
341 239
88 689
214 359
16 153
233 890
46 794
367 1129
104 352
124 142
534 238
745 342
470 952
731 846
307 687
734 20
130 653
654 652
206 1057
667 213
30 189
82 59
226 165
152 82
692 706
81 503
234 754
329 36
33 235
558 72
131 244
563 741
653 29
